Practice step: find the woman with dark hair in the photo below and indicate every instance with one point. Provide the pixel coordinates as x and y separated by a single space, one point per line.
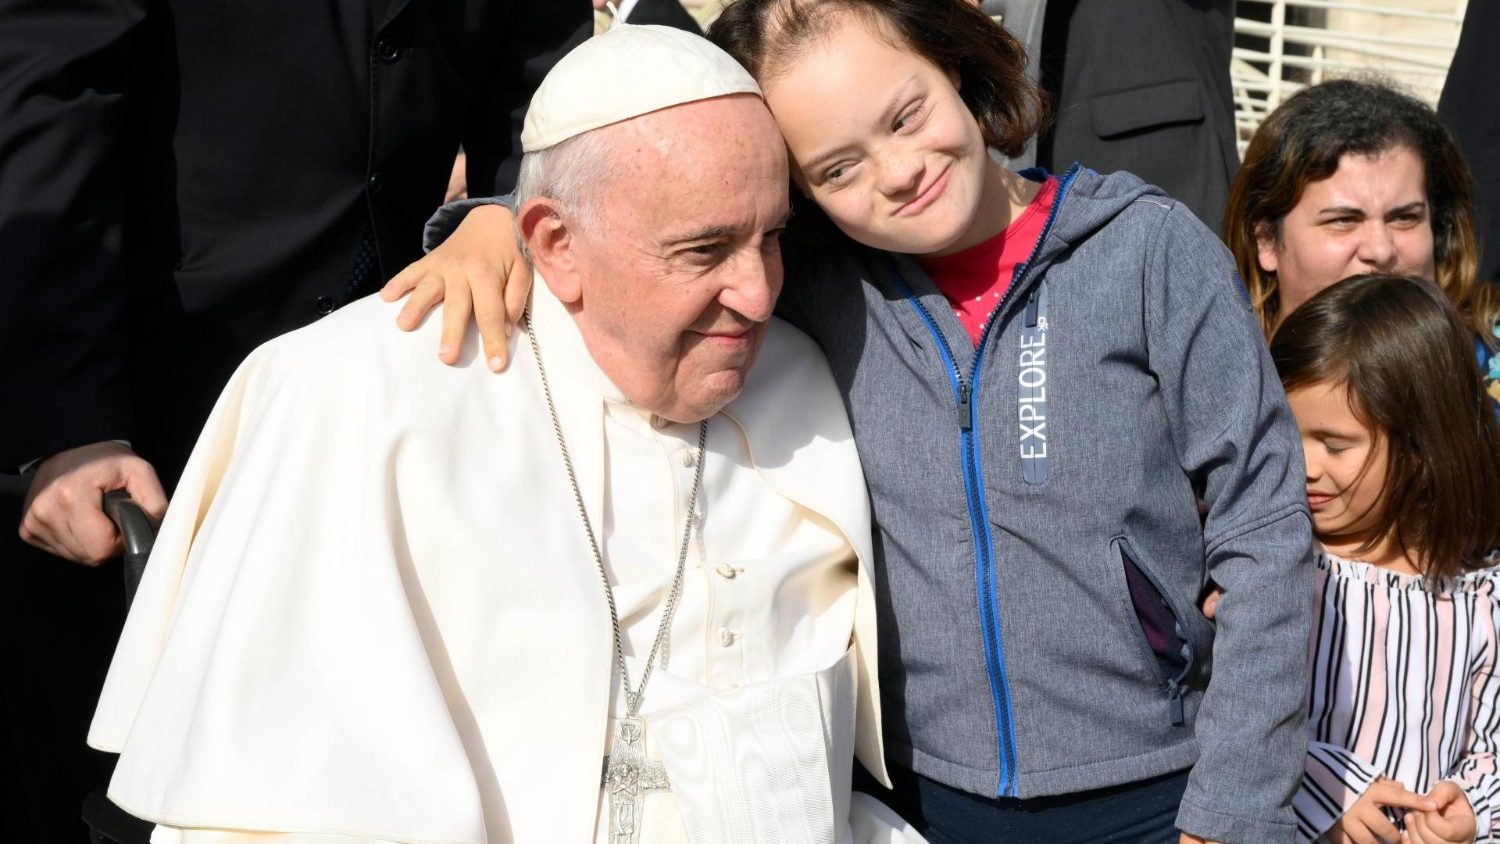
1042 373
1351 177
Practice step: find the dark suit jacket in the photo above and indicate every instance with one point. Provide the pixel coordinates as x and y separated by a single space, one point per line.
1471 105
1143 85
181 180
664 13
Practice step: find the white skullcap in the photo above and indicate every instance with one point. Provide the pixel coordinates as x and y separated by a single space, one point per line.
627 72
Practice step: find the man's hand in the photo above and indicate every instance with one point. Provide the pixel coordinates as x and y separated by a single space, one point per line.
478 270
1452 823
1365 823
1189 838
64 511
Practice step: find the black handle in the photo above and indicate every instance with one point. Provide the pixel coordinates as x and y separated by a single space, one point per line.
136 529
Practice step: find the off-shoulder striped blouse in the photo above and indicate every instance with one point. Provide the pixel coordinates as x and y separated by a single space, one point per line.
1403 686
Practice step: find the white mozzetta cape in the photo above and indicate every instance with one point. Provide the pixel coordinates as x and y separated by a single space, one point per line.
283 668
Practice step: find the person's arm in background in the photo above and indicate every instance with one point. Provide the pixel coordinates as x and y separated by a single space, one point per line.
64 85
1237 440
1468 107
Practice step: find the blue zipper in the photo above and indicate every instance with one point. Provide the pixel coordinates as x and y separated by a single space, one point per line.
979 521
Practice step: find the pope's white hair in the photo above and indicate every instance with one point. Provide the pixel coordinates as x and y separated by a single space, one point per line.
574 173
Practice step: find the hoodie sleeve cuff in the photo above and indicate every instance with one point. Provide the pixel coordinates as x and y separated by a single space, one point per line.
446 219
1214 825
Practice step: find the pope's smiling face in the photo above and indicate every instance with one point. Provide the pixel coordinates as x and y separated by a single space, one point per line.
673 284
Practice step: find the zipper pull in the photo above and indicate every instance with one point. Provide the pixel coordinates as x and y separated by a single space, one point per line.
1031 310
1174 701
965 408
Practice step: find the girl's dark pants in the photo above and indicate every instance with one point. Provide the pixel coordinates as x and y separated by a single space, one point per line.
1142 812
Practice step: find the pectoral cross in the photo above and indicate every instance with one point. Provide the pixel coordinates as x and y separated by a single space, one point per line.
628 777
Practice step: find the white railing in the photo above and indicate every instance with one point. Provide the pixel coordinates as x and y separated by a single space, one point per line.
1284 45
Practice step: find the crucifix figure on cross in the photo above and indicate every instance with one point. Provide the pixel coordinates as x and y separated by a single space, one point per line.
628 777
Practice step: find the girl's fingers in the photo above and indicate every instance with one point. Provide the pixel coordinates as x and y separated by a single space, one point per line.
517 289
489 313
457 307
1383 831
1392 793
402 282
424 297
1454 823
1420 830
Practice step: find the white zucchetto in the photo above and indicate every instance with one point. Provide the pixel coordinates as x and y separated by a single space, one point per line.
627 72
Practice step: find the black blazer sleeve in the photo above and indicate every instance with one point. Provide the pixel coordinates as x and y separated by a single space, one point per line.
1143 85
1471 105
64 91
537 36
664 13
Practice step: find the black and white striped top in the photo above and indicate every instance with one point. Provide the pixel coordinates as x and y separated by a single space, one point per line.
1403 686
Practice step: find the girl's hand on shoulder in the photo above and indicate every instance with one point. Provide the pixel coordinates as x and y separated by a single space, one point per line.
1366 823
477 271
1452 823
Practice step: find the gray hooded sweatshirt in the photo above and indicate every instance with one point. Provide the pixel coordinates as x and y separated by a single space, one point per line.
1040 553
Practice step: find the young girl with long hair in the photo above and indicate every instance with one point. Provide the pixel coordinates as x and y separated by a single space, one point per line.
1403 478
1044 373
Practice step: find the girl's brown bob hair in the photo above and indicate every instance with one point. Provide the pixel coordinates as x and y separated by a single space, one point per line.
1302 142
1407 360
768 35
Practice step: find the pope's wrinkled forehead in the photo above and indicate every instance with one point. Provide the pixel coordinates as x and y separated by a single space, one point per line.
624 73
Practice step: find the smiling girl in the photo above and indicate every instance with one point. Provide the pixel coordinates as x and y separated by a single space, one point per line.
1043 374
1403 479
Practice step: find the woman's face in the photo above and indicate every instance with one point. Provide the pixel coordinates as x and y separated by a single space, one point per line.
1371 215
881 140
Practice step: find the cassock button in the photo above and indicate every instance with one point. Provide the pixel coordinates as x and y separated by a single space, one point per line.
388 51
726 571
689 458
659 422
726 637
324 305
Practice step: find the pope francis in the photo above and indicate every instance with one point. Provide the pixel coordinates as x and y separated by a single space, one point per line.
621 594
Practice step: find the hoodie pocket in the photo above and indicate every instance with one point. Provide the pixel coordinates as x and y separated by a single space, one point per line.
1163 629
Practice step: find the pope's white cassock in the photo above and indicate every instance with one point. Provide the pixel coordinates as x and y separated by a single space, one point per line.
372 613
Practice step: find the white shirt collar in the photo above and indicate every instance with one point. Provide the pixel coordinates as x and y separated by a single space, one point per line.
623 10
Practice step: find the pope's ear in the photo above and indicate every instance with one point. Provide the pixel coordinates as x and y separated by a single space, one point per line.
552 246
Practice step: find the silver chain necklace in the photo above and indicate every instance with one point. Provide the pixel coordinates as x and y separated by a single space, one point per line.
628 775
